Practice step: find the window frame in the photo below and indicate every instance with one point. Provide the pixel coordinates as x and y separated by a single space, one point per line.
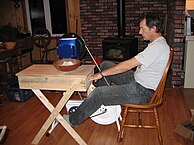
47 14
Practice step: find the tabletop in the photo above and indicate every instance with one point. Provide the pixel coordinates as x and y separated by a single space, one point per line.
47 77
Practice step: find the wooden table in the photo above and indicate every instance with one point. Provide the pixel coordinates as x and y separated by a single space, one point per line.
11 59
45 77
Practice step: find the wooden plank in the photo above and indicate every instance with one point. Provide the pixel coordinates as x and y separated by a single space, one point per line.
46 77
49 70
25 119
73 13
50 83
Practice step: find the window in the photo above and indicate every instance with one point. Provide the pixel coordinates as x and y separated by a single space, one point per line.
50 14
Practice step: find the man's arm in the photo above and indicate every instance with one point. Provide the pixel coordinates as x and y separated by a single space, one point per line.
119 68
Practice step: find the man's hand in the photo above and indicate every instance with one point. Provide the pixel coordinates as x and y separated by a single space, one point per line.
96 77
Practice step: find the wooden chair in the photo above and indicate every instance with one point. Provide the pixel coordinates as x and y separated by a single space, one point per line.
155 103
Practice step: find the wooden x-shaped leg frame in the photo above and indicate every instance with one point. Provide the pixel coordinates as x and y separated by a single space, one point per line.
55 114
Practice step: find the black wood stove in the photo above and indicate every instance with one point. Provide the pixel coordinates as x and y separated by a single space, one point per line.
122 47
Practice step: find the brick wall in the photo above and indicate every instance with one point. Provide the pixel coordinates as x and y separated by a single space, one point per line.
175 37
99 21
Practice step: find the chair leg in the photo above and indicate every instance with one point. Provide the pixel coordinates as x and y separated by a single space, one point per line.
139 118
120 134
158 127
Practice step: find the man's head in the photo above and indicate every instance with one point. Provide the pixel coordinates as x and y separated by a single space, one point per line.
150 27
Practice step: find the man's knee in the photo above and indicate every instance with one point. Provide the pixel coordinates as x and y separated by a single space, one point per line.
106 64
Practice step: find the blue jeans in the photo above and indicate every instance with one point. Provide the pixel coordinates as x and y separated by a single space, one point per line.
126 91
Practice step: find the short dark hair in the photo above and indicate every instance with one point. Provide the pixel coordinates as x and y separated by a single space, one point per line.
153 19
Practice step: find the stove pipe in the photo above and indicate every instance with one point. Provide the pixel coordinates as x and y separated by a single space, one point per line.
121 18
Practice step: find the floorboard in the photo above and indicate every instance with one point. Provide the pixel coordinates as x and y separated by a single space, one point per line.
25 119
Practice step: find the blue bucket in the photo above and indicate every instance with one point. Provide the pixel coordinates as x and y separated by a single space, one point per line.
67 48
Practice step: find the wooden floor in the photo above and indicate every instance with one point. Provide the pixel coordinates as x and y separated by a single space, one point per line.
25 119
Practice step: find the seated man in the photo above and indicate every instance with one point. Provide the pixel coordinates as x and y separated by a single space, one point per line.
131 87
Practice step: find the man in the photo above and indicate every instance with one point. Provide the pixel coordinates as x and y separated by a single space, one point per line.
131 87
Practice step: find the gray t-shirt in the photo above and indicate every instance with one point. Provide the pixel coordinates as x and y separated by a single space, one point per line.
154 60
